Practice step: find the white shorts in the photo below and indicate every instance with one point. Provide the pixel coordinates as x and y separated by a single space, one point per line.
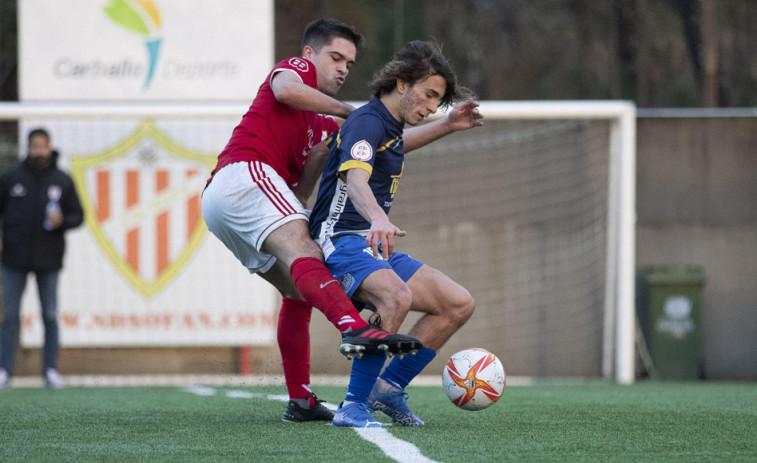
243 204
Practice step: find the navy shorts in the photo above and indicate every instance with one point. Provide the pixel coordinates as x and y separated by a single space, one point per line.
352 261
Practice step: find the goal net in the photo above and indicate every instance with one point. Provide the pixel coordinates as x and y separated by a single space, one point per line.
520 212
532 213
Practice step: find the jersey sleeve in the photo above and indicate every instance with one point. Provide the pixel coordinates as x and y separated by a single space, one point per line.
301 67
358 142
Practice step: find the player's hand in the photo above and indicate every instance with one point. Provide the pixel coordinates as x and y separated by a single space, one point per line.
383 232
465 115
347 109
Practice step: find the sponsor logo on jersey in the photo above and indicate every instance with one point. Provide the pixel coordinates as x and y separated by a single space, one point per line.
362 151
300 64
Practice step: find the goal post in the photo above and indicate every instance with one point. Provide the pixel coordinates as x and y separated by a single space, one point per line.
171 124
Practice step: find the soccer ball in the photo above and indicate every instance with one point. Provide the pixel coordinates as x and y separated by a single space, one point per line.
473 379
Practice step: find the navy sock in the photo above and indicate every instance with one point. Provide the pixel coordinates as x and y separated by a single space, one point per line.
401 371
363 376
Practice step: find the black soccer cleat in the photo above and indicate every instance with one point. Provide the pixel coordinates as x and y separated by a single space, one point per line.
371 340
296 414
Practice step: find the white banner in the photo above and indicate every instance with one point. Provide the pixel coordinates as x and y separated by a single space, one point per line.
143 269
145 50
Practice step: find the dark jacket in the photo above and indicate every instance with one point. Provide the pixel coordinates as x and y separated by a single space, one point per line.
23 198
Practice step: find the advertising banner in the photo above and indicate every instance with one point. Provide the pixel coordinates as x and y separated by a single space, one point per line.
143 50
143 269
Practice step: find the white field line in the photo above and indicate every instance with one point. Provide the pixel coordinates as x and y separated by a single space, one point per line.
232 380
397 449
394 448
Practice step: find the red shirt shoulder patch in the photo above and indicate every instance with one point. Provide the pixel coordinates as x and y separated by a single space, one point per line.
301 64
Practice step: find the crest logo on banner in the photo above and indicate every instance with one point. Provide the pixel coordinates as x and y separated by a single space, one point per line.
141 200
143 18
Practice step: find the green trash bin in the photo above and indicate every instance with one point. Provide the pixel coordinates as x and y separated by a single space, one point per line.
669 303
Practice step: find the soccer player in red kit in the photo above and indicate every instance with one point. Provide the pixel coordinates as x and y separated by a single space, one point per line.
254 203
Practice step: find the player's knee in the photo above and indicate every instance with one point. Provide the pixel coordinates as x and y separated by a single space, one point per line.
463 307
311 249
289 294
296 249
306 249
289 291
395 306
398 300
290 242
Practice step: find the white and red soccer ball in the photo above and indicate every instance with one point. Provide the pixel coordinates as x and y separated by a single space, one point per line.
473 379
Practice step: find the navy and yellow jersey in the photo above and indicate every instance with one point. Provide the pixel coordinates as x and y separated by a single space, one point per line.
370 139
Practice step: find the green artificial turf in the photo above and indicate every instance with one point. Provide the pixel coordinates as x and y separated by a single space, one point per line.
576 422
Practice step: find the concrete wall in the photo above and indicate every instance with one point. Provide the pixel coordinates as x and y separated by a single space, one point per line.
697 204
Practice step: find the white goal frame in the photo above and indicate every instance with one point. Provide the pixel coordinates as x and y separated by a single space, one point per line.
618 356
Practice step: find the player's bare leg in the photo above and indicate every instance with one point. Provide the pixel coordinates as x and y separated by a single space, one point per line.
391 297
293 247
279 277
388 294
446 304
447 307
290 242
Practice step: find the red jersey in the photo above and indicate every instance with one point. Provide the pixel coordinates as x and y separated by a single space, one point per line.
276 134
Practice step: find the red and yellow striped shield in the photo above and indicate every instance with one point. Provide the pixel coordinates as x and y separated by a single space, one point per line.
141 201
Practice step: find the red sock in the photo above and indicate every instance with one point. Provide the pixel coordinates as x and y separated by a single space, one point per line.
320 289
294 344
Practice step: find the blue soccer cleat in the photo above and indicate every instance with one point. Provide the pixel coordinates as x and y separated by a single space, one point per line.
394 405
355 415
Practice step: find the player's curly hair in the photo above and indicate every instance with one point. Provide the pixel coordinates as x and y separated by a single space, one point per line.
414 62
322 31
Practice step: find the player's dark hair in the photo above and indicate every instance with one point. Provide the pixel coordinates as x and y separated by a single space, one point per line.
40 132
414 62
322 31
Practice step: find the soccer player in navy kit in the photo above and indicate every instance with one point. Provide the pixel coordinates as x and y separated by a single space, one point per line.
254 204
350 223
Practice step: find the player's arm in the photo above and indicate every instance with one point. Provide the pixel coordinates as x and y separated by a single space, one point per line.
311 172
463 116
382 230
290 90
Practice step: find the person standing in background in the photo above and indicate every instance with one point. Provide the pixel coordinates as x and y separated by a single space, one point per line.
38 204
